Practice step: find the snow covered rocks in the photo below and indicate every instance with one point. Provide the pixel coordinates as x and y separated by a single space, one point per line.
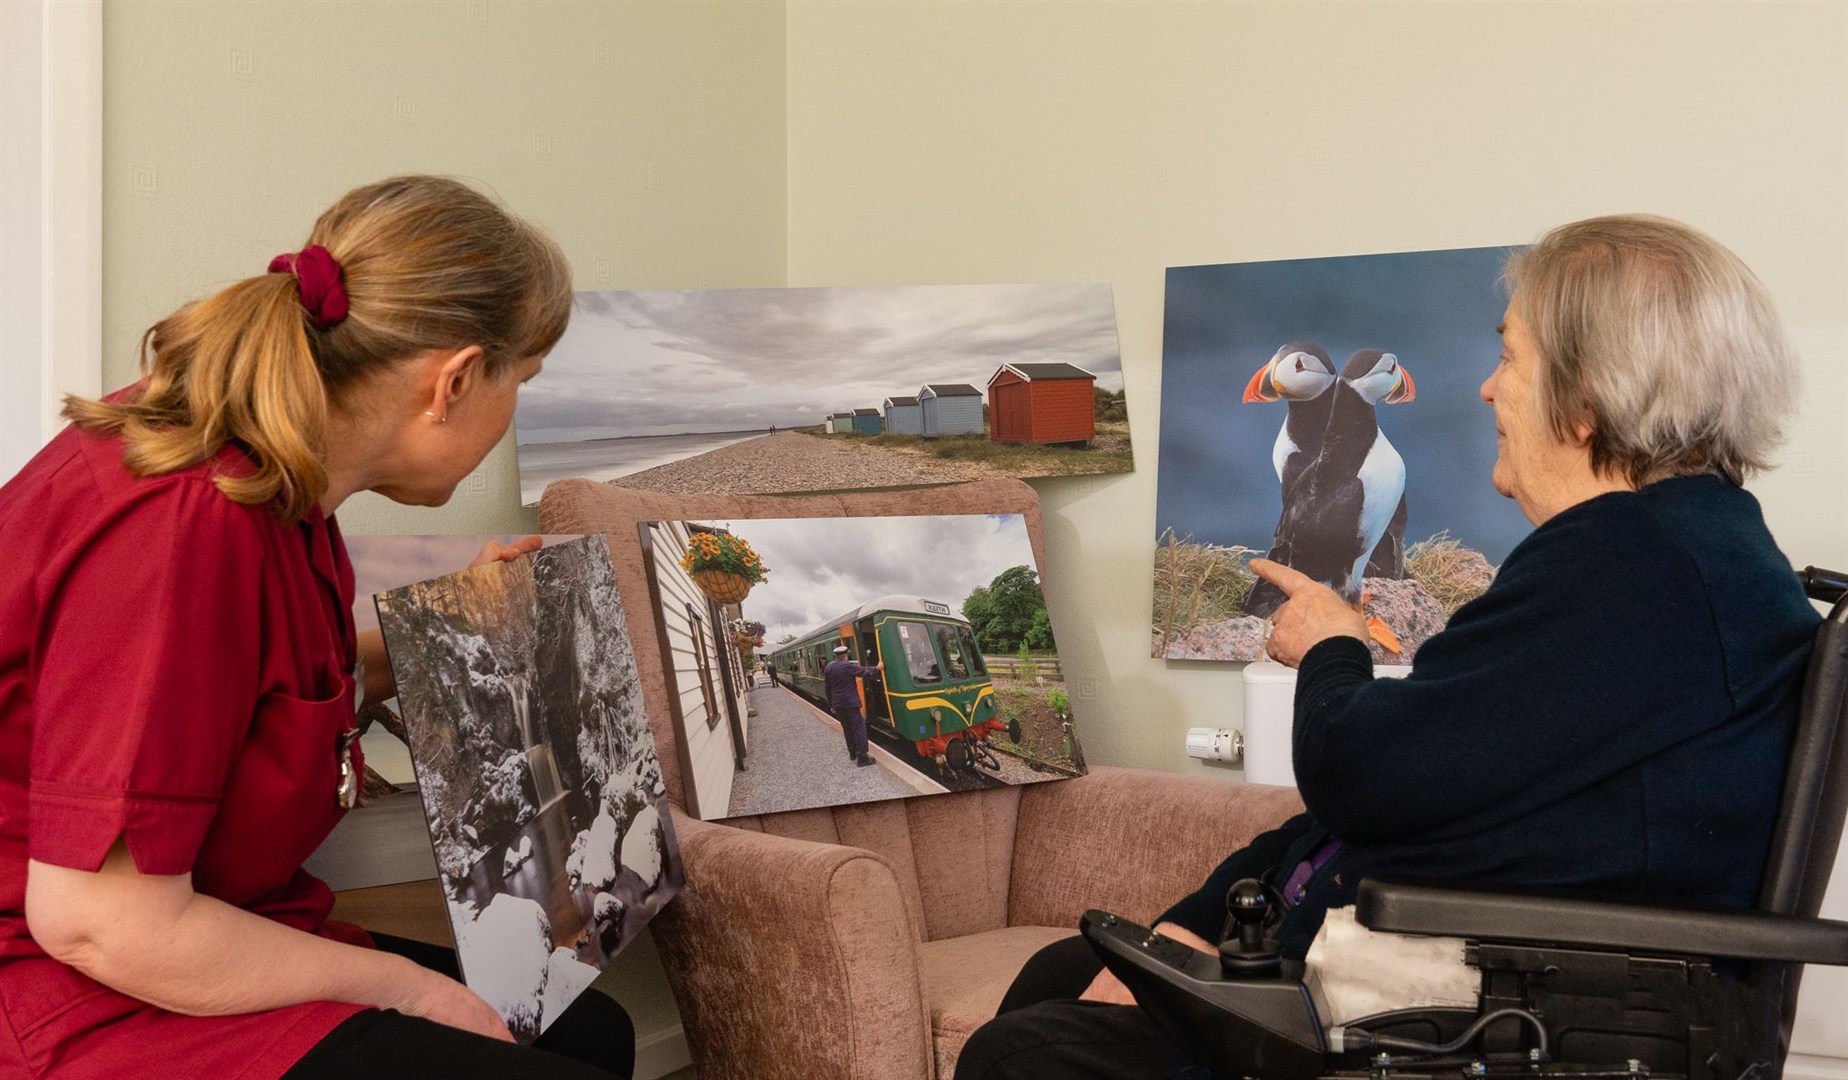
643 847
517 856
506 953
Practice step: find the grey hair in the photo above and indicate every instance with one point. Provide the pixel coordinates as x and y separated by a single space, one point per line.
1658 340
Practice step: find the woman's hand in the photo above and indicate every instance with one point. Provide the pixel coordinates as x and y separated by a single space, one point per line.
1110 990
438 997
1312 614
499 552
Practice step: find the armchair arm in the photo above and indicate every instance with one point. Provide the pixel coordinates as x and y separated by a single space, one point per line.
1130 841
1571 918
793 959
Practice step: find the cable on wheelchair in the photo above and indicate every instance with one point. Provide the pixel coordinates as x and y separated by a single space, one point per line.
1351 1038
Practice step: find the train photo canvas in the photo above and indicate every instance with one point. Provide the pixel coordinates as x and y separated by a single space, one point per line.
537 772
1325 413
830 661
771 391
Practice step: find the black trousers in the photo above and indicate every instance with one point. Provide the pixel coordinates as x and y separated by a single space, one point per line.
1042 1032
592 1039
853 727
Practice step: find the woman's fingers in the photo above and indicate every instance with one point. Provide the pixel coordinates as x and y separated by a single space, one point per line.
1293 582
495 551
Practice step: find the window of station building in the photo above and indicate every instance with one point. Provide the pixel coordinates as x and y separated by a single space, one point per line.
920 658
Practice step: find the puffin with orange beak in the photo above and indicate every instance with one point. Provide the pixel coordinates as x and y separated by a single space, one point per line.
1302 374
1344 499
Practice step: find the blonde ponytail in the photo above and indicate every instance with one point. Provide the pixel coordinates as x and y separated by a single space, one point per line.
427 263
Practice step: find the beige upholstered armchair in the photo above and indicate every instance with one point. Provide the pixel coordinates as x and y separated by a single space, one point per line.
867 942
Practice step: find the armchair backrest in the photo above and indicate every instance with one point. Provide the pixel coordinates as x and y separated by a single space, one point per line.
1815 797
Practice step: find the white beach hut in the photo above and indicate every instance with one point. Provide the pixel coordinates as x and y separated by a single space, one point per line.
951 409
903 416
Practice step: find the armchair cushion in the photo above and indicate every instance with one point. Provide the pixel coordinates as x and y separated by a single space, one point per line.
967 977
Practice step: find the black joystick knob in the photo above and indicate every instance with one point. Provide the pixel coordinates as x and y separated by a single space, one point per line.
1245 952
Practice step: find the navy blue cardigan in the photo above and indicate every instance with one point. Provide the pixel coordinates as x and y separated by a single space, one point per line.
1614 712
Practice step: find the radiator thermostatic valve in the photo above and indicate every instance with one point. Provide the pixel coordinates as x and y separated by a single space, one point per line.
1215 744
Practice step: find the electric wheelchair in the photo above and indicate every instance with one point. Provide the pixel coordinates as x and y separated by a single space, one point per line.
1572 985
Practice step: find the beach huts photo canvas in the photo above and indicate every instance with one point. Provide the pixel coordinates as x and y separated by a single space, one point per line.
1325 413
767 391
536 770
828 661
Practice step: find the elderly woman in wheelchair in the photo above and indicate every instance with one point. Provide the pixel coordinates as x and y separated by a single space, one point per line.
1614 715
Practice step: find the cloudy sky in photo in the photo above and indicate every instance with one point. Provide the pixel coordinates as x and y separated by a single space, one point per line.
821 568
670 363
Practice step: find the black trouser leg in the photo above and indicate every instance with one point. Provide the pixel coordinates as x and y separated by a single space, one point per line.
1063 969
1070 1040
1042 1031
845 716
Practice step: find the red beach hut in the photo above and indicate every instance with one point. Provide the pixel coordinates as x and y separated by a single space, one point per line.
1042 403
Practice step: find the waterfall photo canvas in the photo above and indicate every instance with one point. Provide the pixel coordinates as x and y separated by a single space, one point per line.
538 774
1325 413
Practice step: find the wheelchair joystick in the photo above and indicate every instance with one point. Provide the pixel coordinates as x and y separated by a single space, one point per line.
1246 953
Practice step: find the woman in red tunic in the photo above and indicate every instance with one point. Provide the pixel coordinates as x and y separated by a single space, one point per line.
178 658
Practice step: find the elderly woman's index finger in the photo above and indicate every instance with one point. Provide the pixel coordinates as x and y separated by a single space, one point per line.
1284 577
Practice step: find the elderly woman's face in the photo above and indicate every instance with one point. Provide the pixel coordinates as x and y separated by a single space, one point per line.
1530 459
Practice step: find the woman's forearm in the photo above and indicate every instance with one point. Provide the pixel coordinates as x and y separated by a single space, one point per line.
155 939
380 685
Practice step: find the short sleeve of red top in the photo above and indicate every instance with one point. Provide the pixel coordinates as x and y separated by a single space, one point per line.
148 663
174 673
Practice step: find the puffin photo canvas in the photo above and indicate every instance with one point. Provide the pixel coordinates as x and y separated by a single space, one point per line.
932 630
772 391
1325 413
536 769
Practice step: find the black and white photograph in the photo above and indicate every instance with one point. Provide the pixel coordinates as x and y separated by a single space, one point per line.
535 766
829 661
767 391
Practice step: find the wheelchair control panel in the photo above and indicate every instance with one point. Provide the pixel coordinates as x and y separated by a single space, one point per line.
1248 1013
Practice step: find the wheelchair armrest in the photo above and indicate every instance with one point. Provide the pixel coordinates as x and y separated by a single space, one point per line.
1569 918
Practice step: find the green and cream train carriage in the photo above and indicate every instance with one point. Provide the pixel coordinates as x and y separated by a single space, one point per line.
935 694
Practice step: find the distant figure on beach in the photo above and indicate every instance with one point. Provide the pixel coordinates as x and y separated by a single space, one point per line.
844 700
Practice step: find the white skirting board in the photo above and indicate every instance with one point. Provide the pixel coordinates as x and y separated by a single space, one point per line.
665 1053
1802 1067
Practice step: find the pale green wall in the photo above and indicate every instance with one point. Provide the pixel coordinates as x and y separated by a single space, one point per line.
648 138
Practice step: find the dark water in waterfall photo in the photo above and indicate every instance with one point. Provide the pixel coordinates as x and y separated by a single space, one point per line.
538 773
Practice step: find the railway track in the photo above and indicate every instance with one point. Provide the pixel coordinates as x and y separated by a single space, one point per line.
902 749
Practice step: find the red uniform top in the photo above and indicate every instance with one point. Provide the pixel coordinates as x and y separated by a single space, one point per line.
175 670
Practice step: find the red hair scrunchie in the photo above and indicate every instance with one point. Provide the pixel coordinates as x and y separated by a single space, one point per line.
318 275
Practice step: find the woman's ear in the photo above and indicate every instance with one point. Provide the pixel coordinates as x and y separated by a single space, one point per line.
457 373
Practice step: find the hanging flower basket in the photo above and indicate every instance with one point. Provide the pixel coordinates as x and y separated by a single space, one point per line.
723 586
723 566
